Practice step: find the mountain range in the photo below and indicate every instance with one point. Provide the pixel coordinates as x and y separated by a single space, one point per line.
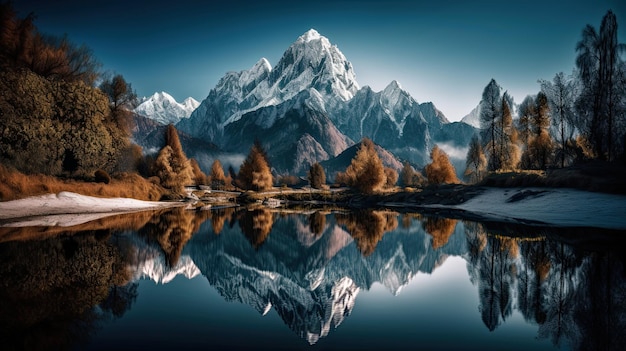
311 280
164 109
310 108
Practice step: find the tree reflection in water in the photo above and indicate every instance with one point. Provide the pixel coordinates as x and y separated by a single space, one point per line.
56 291
317 223
173 229
440 228
577 297
367 227
49 289
219 217
256 225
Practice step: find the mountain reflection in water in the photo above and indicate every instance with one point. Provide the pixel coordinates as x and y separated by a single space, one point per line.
62 286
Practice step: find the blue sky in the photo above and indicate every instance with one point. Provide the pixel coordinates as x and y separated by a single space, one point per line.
442 51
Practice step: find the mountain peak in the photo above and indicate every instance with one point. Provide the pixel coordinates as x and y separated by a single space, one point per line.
310 35
394 85
162 96
163 108
263 64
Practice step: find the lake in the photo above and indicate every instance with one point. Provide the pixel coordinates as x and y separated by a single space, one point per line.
255 278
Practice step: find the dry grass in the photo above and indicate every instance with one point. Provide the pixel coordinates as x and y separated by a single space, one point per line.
16 185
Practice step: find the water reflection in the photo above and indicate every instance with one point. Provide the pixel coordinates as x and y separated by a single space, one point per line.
58 290
367 227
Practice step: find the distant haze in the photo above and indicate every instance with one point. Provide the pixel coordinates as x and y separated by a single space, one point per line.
440 51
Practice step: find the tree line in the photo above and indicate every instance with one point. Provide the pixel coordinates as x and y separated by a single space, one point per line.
571 118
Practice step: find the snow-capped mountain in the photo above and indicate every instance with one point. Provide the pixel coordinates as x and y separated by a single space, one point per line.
311 62
313 75
164 109
473 118
312 280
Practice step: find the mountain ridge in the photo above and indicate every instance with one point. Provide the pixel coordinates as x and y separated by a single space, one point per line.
314 78
164 109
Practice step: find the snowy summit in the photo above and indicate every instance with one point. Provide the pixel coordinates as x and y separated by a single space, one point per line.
310 35
163 108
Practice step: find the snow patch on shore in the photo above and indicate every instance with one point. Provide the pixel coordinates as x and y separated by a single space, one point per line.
552 206
64 208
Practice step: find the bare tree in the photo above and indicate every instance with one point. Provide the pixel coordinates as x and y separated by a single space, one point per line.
476 162
561 94
602 102
490 114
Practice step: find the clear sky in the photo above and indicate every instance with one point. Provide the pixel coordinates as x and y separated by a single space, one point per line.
443 51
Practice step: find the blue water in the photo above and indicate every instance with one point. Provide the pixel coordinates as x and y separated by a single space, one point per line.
363 281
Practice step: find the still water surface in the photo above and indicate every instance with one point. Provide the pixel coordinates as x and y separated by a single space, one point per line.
258 279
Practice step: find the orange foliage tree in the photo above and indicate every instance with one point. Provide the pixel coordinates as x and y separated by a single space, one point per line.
366 172
172 166
254 173
440 170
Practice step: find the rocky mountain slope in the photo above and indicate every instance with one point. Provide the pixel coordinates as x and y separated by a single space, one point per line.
310 108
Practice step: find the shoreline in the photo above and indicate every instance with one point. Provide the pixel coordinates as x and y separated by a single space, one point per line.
541 207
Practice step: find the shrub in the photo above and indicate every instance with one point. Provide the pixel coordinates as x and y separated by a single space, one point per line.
102 177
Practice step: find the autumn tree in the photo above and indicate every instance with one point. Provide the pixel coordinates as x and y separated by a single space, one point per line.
527 111
602 102
172 166
476 162
509 151
410 177
365 173
199 178
218 179
254 173
317 176
540 148
391 177
52 57
122 99
440 170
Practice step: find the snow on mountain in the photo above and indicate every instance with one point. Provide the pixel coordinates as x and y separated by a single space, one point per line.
294 133
473 118
157 270
259 99
163 108
310 62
